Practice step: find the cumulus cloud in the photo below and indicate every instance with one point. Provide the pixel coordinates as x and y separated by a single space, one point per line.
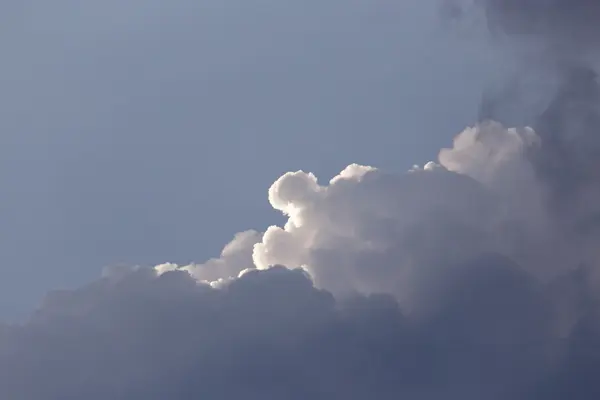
425 285
394 285
369 231
491 154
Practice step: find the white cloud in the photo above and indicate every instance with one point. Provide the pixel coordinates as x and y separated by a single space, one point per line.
235 257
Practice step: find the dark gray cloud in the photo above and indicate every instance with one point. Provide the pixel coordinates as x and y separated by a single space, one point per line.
554 89
563 24
271 334
555 49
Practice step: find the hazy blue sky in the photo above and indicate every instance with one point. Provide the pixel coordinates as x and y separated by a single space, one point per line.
147 131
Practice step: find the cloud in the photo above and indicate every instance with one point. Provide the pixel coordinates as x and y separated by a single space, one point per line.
565 162
472 277
369 231
491 154
564 24
395 285
555 90
235 258
271 334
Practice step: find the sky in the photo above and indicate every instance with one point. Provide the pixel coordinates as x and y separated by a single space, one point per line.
142 132
333 200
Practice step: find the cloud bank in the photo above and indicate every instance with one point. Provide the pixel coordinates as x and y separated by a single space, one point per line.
474 276
447 281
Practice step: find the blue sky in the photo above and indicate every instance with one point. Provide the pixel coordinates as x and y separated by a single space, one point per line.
142 132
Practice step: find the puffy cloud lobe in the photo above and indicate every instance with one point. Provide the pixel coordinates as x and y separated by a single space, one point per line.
235 258
492 154
499 158
371 232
